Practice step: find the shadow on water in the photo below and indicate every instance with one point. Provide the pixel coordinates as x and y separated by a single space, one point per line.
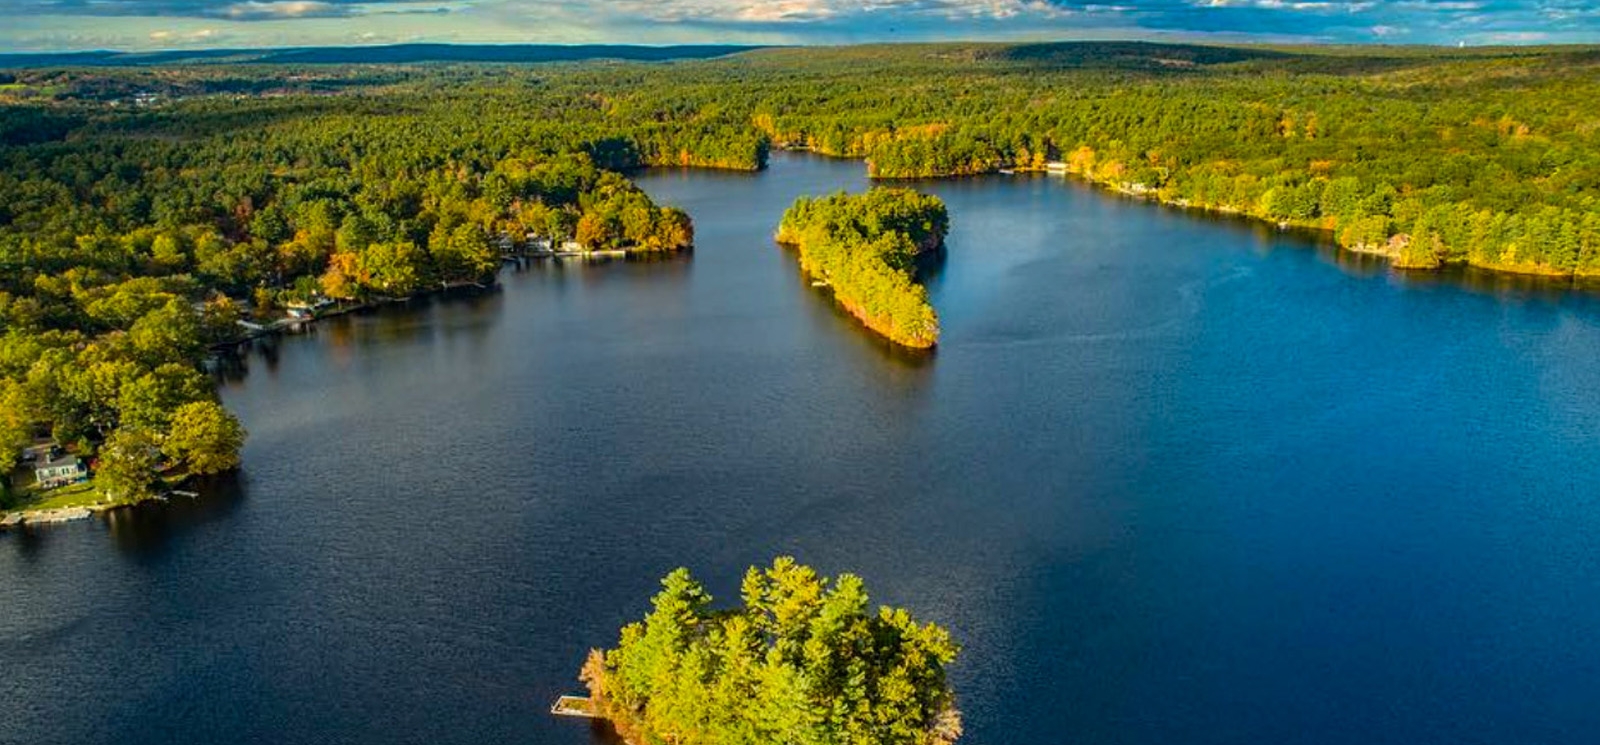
602 733
147 530
930 266
28 541
902 357
1503 284
233 365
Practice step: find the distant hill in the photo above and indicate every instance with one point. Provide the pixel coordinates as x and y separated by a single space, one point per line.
394 54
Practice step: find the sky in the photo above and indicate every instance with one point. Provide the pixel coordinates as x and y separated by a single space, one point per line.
62 25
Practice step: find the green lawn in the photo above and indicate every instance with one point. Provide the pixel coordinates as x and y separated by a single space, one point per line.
81 495
74 495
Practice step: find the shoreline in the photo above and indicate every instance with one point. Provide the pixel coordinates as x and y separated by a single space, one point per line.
11 519
1146 194
16 518
54 516
882 327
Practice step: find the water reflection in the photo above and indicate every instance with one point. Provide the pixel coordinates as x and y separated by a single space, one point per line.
148 530
1500 284
28 540
1266 501
852 332
1353 263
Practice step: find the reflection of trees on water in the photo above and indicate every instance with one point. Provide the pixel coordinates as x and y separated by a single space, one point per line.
144 529
594 270
901 360
147 529
1505 284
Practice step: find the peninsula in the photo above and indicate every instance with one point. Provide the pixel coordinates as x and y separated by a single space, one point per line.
865 247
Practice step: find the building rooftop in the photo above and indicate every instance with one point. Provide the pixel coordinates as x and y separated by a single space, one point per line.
65 459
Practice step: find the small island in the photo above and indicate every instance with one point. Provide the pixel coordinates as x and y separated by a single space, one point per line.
865 247
804 660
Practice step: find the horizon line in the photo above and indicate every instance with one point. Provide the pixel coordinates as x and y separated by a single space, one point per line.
1208 42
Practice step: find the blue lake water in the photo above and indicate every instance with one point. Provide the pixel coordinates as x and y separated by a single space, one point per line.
1168 478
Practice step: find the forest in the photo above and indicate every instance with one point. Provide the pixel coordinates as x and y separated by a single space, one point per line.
865 247
135 238
1484 157
804 660
144 211
1430 156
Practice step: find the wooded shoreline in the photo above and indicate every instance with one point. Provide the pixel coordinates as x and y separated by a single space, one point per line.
1392 251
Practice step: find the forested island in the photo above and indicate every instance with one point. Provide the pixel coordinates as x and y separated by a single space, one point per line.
865 248
145 212
805 660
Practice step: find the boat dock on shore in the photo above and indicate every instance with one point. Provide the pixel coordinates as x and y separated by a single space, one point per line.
44 517
574 706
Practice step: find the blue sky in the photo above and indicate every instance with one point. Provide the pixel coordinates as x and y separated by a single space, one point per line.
37 25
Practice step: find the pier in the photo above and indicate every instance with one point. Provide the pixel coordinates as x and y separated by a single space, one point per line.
575 706
44 517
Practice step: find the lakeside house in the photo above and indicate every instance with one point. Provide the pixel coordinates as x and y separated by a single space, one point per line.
61 470
302 310
41 451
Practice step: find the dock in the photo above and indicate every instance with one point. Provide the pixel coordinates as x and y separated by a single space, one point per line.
44 517
574 706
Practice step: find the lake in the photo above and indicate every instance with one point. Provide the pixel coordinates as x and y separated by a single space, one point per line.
1169 478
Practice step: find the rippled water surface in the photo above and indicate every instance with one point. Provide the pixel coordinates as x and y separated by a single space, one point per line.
1170 479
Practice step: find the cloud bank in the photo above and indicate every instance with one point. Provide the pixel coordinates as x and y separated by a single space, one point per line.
40 25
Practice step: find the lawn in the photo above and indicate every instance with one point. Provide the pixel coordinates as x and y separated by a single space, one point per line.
72 495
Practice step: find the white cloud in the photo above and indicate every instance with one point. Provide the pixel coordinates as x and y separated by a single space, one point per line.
202 36
252 10
793 11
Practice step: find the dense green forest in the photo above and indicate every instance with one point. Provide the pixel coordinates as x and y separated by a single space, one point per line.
1487 156
1484 157
865 247
144 210
804 660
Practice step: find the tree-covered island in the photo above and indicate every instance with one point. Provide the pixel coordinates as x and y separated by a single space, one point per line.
805 660
865 247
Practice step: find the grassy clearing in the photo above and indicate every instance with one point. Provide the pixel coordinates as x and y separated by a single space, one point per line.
72 495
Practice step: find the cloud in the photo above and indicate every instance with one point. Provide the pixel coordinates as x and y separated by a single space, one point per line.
197 37
799 11
58 24
256 11
235 10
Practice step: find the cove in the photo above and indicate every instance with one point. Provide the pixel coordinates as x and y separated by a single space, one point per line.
1168 478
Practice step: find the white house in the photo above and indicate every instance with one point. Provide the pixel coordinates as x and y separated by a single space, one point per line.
59 471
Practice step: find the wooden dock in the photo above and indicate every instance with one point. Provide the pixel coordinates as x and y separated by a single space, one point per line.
574 706
44 517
